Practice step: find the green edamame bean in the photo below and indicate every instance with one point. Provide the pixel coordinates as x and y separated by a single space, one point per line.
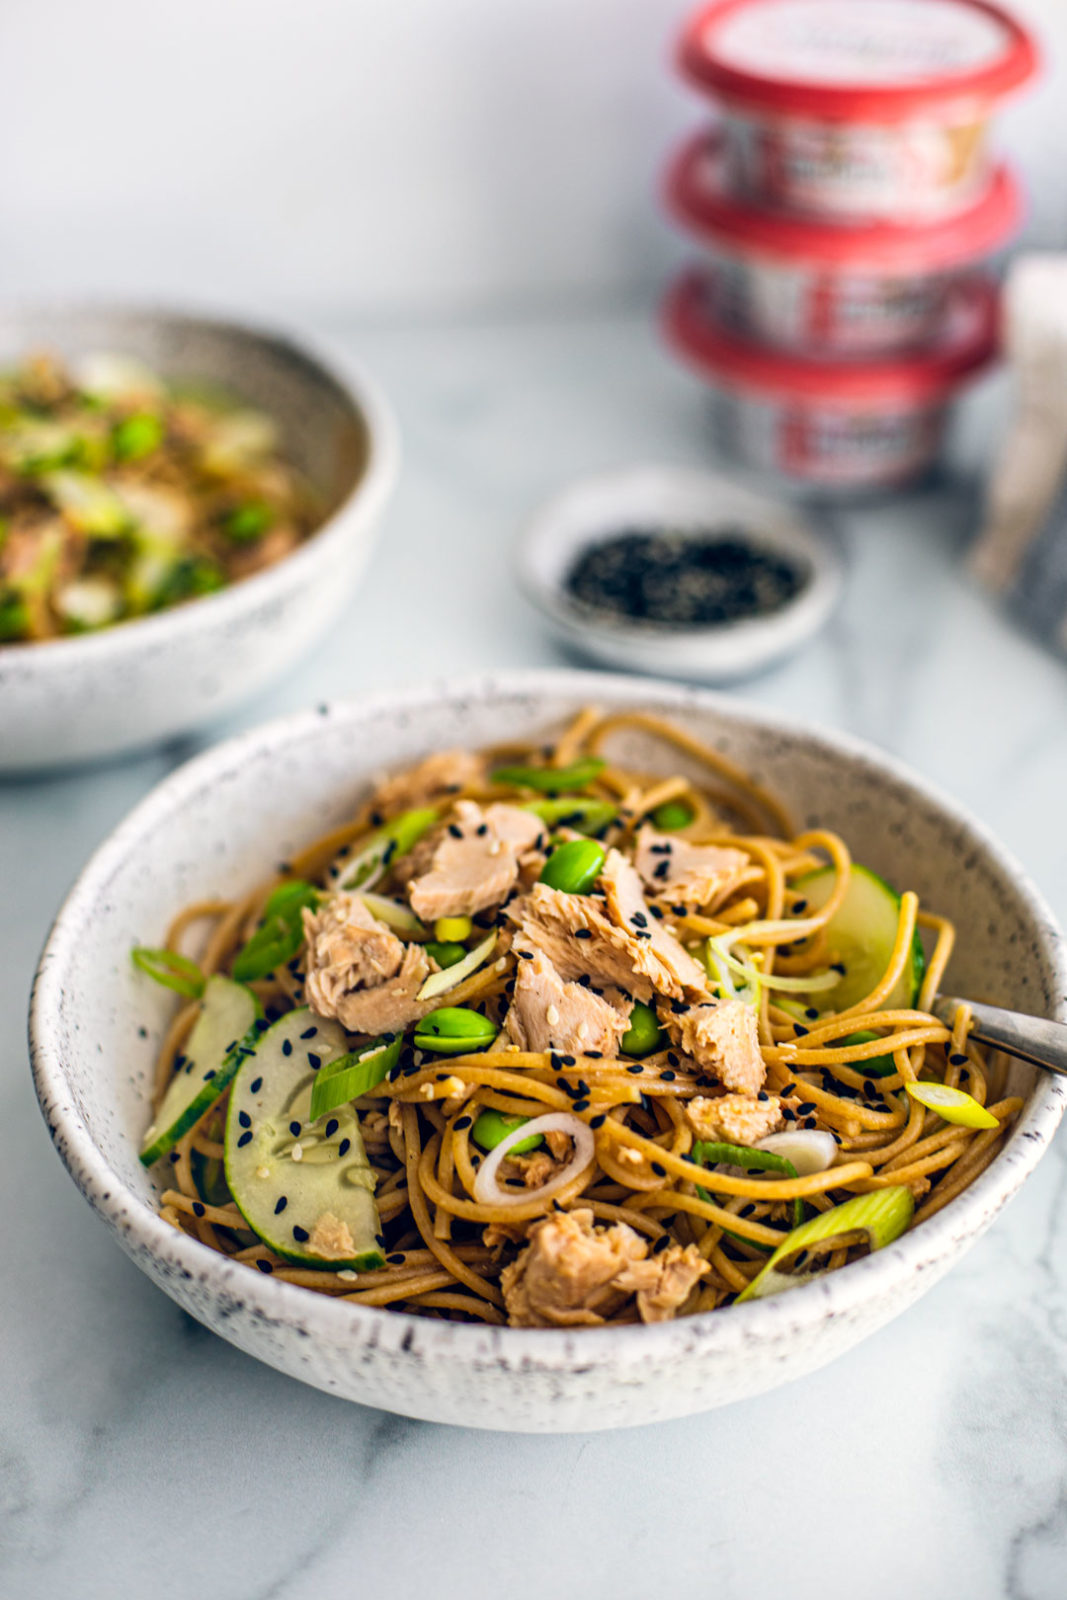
644 1033
454 1031
573 811
492 1128
447 954
672 815
574 867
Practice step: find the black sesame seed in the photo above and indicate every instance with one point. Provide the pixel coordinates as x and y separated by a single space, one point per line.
244 1119
245 1138
209 1075
806 1108
658 1169
799 1030
299 1233
397 1259
344 1147
283 1201
583 933
668 1076
265 1266
957 1060
332 1127
294 1128
746 1211
314 1060
661 1244
636 1071
255 1086
309 1033
598 1121
455 830
811 1014
198 1209
581 1105
790 1088
762 1095
462 1122
287 1047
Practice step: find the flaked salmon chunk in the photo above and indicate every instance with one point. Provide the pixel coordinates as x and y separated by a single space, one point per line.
475 863
548 1014
662 1283
734 1118
444 773
571 1271
358 971
723 1038
682 873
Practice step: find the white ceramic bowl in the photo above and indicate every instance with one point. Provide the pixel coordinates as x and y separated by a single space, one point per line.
79 698
210 828
685 500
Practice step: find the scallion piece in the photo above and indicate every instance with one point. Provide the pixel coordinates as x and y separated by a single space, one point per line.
172 970
574 811
713 1154
391 842
354 1074
953 1105
551 780
452 976
280 933
879 1218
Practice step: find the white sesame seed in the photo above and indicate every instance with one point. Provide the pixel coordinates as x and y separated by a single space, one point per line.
297 1153
634 1156
552 1016
348 1275
494 847
583 1030
262 1172
427 1091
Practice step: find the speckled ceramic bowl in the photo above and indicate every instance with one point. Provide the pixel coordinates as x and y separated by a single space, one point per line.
79 698
210 828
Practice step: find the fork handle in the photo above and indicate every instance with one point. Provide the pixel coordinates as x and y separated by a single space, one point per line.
1033 1039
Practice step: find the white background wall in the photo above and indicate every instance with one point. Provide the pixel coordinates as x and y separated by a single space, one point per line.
374 156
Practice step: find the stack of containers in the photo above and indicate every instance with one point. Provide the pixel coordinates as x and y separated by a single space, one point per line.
849 213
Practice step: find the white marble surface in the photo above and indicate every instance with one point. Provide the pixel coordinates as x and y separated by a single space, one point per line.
141 1456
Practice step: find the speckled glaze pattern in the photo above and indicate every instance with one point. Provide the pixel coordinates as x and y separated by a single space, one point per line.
79 698
212 826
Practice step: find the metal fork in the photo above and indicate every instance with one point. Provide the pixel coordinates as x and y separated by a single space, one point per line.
1032 1039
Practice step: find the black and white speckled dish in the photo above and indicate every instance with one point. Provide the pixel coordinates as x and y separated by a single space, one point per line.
215 825
78 698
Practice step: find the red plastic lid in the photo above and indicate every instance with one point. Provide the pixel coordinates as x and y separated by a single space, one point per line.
693 332
855 60
697 194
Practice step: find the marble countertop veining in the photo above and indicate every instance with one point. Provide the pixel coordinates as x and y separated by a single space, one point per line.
141 1456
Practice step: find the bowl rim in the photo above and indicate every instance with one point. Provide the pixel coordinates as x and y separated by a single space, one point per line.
369 492
345 1324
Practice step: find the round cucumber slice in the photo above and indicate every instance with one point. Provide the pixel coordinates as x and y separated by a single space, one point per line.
305 1188
224 1032
861 935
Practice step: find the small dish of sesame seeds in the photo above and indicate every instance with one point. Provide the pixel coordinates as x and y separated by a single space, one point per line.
678 572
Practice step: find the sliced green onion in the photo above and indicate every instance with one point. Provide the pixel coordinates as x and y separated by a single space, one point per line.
551 780
672 815
806 985
440 982
715 1153
492 1127
280 934
574 811
137 436
349 1076
719 973
953 1105
395 839
170 969
882 1216
395 914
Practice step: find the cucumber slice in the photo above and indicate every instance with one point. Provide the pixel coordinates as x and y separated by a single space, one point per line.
862 934
305 1188
223 1034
